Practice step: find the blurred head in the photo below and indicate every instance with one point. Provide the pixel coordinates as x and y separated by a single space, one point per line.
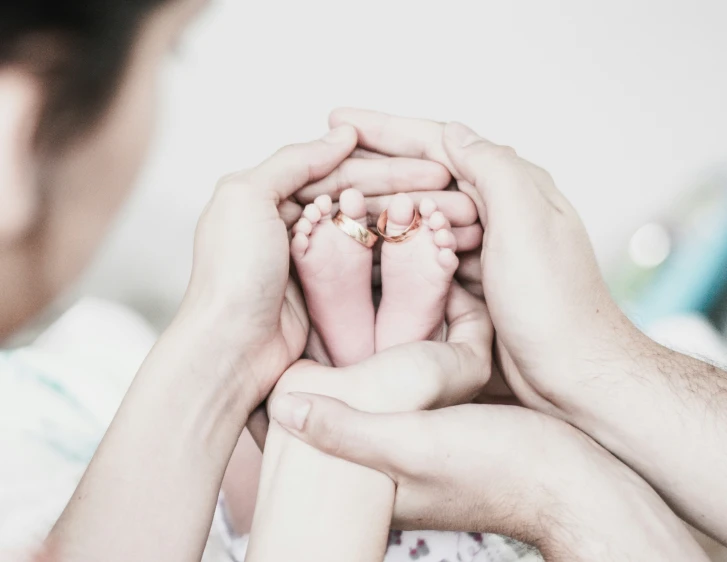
77 96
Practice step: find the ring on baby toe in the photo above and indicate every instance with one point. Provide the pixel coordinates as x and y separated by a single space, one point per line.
408 234
359 233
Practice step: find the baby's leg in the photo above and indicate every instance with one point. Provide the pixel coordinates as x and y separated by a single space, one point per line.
415 275
335 272
311 507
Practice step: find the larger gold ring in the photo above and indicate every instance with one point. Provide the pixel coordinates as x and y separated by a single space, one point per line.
409 233
359 233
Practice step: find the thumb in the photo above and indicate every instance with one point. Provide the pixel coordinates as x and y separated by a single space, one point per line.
336 429
489 173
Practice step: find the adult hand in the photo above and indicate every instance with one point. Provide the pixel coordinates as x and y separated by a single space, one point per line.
253 316
563 345
537 270
411 377
499 469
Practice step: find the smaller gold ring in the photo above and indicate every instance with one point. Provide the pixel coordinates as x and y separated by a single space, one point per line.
409 233
359 233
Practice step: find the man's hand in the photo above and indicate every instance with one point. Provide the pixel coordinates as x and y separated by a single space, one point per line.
536 267
499 469
563 345
240 277
405 378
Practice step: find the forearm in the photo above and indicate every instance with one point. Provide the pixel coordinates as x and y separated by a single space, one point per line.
665 415
313 508
150 490
602 511
557 490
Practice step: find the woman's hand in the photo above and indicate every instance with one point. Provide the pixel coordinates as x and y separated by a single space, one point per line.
405 378
499 469
240 284
536 268
240 292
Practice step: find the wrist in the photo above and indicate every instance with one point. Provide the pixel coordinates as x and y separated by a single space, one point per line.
251 356
197 355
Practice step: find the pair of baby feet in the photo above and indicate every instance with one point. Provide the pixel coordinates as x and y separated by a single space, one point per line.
335 272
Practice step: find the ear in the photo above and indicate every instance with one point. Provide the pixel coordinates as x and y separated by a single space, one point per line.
20 104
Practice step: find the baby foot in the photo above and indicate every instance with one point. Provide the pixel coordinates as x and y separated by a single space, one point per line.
335 272
415 275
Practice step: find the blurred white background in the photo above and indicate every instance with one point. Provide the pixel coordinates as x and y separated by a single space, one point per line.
622 101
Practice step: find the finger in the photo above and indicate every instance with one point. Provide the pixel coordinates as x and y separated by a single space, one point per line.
469 238
258 424
395 136
427 375
457 207
378 177
469 322
331 426
490 173
295 166
290 212
363 153
405 378
470 266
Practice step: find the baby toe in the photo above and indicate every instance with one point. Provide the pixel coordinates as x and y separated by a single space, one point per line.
400 213
312 213
299 246
352 204
303 226
324 204
438 221
427 207
448 261
445 239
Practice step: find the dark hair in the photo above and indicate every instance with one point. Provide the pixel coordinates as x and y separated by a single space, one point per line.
79 47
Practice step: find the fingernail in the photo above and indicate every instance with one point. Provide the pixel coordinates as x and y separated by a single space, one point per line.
336 135
462 134
291 411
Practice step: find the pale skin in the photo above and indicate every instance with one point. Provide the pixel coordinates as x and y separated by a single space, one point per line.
646 404
335 273
457 468
233 338
180 421
312 540
376 180
577 358
151 488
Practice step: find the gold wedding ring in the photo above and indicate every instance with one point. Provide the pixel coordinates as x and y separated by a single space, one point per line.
359 233
409 233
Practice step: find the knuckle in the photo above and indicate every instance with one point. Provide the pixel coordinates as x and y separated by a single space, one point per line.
341 178
508 151
488 152
233 182
497 152
289 150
